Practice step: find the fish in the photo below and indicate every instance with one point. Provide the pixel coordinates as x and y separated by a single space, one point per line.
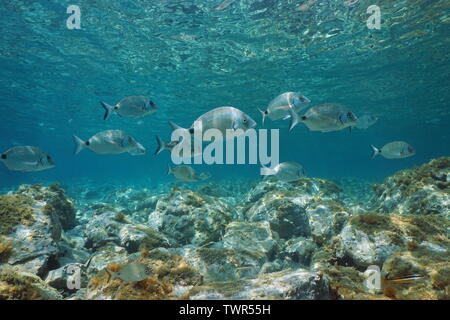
366 121
186 173
222 119
223 5
349 3
110 142
131 272
387 282
402 279
130 107
394 150
286 171
278 108
196 149
27 158
325 117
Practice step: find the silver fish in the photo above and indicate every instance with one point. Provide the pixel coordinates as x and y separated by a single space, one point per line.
27 158
325 118
130 107
394 150
278 108
196 149
221 118
110 142
286 171
186 173
366 121
132 272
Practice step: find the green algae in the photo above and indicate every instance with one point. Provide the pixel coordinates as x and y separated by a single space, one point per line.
194 200
17 286
419 181
167 271
14 210
5 249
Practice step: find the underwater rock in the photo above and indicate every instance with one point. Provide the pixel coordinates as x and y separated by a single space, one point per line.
326 219
299 249
421 190
59 278
364 249
18 285
254 237
105 256
55 200
290 285
223 264
72 251
313 187
191 218
31 231
115 227
171 278
307 207
297 284
398 244
131 199
428 260
285 216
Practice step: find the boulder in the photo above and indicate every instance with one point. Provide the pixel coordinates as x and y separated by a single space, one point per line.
115 227
421 190
29 233
191 218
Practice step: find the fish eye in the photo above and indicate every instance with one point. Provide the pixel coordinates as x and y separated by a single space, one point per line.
245 120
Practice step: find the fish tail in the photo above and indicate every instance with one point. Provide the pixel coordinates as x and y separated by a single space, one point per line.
169 169
405 279
174 126
265 172
108 110
161 145
110 274
375 151
79 144
263 115
294 118
204 176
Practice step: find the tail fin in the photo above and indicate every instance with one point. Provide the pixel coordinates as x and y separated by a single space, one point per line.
111 275
266 172
263 115
108 110
204 176
169 169
294 118
375 151
79 144
174 126
161 145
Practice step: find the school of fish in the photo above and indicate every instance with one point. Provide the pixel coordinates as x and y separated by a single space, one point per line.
325 117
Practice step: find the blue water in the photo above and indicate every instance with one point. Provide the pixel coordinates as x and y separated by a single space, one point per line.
189 58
